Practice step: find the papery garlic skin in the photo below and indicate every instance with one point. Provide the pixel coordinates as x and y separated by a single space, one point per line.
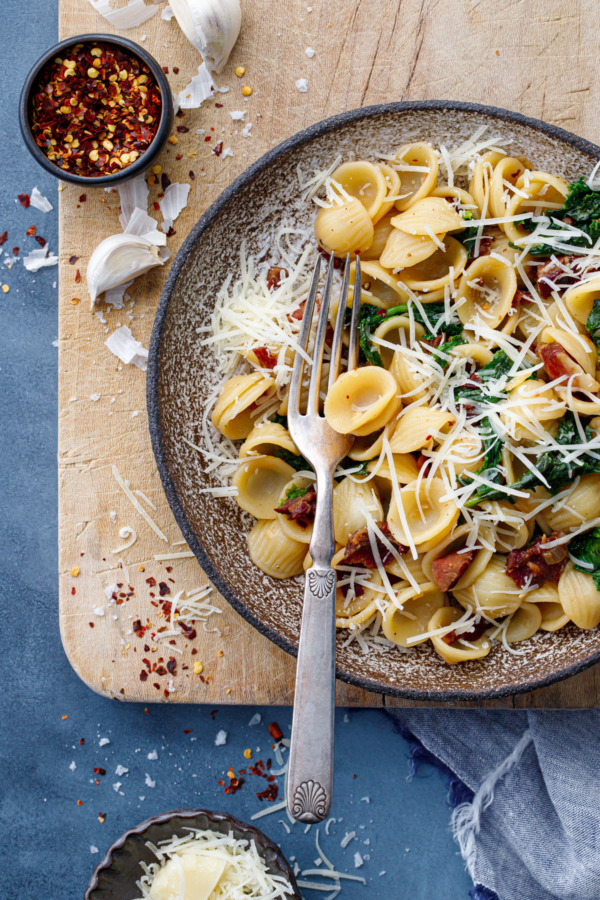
118 259
212 26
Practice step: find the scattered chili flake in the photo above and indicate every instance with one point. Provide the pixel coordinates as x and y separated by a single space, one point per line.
4 237
179 156
80 803
15 251
102 818
73 591
275 731
171 232
64 717
73 260
172 665
99 771
176 70
95 110
190 173
91 624
81 740
182 129
180 113
163 588
248 753
82 198
208 137
270 793
30 231
143 675
24 200
77 276
187 730
218 106
218 148
165 181
41 241
5 289
151 581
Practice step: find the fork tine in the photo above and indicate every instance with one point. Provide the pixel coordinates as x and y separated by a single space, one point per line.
336 347
353 347
314 385
296 380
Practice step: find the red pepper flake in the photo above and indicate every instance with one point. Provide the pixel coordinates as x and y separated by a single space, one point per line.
165 181
138 628
270 794
73 591
275 731
77 276
191 173
24 200
95 110
143 675
82 198
91 624
30 231
81 740
218 105
156 206
41 241
208 137
4 237
102 818
182 129
15 251
151 581
180 114
172 665
165 70
189 632
214 713
179 156
80 803
171 232
73 260
218 148
163 588
99 771
176 70
187 730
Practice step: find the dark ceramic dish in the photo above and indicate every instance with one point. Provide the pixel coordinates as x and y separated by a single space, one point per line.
162 132
181 374
115 876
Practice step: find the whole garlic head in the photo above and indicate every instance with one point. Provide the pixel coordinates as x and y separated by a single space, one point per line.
212 26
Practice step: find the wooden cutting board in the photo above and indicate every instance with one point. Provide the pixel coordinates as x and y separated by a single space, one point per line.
537 57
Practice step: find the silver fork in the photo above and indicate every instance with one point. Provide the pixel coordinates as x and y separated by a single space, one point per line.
310 771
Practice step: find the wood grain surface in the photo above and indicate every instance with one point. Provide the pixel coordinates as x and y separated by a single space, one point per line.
534 56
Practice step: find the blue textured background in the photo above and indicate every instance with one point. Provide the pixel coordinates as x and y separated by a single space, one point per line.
45 837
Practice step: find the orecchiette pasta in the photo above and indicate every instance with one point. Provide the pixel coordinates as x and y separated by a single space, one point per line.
467 512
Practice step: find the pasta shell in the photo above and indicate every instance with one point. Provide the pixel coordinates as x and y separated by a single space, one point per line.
364 181
344 229
545 192
395 331
236 410
456 196
404 626
507 171
579 597
479 185
353 503
417 428
548 602
580 298
431 215
523 623
417 165
273 551
393 182
582 505
267 438
486 292
260 483
423 512
439 269
381 232
357 399
403 250
459 650
378 286
493 593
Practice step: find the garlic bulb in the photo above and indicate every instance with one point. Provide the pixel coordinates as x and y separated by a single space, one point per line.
212 26
118 259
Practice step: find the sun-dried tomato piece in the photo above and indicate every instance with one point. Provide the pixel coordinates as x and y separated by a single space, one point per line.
447 570
537 565
557 361
553 272
265 358
521 297
479 628
359 552
300 509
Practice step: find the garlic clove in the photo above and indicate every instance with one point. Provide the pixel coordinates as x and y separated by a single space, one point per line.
212 26
118 259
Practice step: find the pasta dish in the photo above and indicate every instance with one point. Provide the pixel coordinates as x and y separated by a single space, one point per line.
467 512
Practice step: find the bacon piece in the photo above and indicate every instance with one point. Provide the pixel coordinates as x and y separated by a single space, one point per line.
448 569
552 271
557 361
300 509
359 552
485 246
265 358
535 565
276 273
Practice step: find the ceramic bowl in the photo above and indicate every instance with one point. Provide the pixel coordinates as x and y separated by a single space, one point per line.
115 877
181 374
145 160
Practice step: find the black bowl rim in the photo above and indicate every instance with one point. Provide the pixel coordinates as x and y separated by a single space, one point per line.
259 836
162 132
297 140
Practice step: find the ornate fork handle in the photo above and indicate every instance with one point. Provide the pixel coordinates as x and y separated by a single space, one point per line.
310 773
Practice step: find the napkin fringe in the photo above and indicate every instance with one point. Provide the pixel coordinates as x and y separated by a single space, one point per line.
466 818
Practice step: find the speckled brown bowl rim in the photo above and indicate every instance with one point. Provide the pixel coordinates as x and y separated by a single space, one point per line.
158 141
242 828
153 403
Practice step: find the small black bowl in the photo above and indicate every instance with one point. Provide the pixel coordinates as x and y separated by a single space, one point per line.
115 877
145 160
